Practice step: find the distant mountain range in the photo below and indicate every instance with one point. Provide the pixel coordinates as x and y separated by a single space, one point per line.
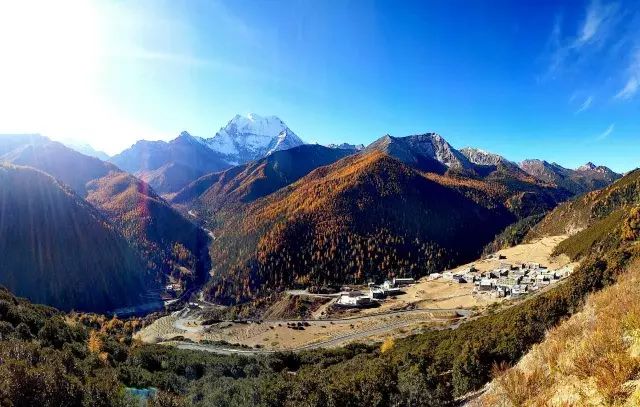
585 178
87 149
286 213
169 166
290 199
248 182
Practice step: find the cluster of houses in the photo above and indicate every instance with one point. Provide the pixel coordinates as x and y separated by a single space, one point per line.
507 280
357 299
175 288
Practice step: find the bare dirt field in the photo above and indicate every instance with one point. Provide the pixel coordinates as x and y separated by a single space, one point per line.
289 335
426 304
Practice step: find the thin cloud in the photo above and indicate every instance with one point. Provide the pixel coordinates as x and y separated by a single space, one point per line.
558 53
176 58
597 26
605 134
633 80
596 23
585 105
629 90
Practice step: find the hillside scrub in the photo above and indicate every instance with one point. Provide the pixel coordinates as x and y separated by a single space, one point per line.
583 211
593 358
513 234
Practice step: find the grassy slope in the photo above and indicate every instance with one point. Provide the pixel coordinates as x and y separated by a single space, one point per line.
593 358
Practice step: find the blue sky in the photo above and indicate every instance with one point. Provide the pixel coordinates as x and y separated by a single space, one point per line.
524 79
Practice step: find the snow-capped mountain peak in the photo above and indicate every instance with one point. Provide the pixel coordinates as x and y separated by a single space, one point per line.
587 167
250 137
346 146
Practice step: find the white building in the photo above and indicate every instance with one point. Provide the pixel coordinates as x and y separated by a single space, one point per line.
376 293
354 299
485 285
403 281
392 291
448 275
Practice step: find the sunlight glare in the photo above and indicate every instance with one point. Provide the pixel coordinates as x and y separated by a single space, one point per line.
54 55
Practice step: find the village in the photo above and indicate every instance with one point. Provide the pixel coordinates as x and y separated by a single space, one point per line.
509 281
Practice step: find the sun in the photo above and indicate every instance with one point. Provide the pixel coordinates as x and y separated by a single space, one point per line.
53 57
49 49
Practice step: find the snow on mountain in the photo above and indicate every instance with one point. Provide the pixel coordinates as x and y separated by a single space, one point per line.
593 168
587 167
481 157
251 137
346 146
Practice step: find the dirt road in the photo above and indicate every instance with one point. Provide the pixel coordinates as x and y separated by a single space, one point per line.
329 343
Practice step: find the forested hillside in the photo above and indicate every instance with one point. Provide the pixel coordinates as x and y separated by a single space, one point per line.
368 216
168 242
88 360
432 368
59 250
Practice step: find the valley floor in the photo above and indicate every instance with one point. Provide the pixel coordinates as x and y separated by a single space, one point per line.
425 305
